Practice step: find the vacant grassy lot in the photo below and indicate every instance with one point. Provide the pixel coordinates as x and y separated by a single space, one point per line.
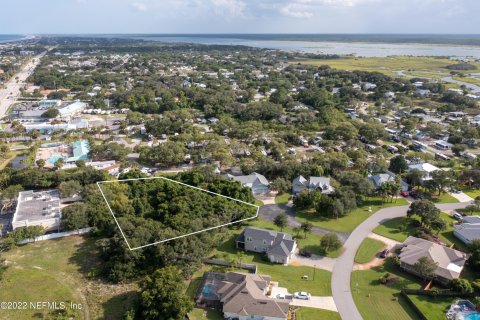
377 301
349 222
316 314
55 270
368 250
386 65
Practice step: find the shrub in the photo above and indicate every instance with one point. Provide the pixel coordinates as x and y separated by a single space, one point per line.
461 285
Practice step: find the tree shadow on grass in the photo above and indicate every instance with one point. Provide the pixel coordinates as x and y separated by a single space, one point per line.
117 306
87 258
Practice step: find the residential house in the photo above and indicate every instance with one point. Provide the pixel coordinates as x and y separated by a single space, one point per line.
468 230
255 181
278 246
449 262
424 167
379 179
241 296
313 183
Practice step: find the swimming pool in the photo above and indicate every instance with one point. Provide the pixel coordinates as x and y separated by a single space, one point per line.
54 158
207 290
473 316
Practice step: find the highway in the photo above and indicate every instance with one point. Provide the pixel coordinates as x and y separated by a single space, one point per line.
11 92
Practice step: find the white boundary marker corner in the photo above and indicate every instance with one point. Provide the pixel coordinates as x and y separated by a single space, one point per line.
182 236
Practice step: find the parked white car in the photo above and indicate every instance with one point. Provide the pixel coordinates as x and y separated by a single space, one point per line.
302 295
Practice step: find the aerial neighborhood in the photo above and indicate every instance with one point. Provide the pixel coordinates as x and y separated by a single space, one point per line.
213 181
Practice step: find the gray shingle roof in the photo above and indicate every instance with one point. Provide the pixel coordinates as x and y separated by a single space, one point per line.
450 262
282 243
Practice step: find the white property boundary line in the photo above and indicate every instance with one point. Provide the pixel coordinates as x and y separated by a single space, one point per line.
183 184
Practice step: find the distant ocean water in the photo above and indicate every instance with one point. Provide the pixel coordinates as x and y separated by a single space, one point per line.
358 45
10 37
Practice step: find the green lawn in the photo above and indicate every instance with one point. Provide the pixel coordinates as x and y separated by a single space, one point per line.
287 276
55 270
473 193
258 202
310 243
208 314
377 301
434 308
316 314
399 229
368 250
283 199
444 198
349 222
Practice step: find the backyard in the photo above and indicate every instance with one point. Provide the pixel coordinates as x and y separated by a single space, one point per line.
349 222
434 308
56 270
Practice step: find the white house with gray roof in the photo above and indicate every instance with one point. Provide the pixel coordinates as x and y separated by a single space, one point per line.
449 262
278 246
379 179
313 183
255 181
468 230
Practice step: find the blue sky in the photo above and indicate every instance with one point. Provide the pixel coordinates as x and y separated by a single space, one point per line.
239 16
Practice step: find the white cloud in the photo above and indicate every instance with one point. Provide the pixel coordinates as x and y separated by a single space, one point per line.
229 8
139 6
306 8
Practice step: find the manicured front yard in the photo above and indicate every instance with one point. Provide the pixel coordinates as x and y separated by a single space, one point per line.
378 301
310 243
473 193
288 276
444 198
399 229
368 250
316 314
283 198
349 222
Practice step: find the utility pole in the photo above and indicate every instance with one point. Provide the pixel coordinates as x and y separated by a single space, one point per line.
314 272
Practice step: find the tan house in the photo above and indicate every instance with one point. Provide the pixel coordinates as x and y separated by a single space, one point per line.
449 262
241 296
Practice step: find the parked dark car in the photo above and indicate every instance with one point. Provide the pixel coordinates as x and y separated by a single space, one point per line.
384 253
305 253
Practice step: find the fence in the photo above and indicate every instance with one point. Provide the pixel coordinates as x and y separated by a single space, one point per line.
220 262
445 293
57 235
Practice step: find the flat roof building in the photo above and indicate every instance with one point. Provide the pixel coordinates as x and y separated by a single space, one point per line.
40 208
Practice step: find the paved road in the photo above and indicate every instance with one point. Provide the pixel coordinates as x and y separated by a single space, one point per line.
270 211
12 88
344 264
